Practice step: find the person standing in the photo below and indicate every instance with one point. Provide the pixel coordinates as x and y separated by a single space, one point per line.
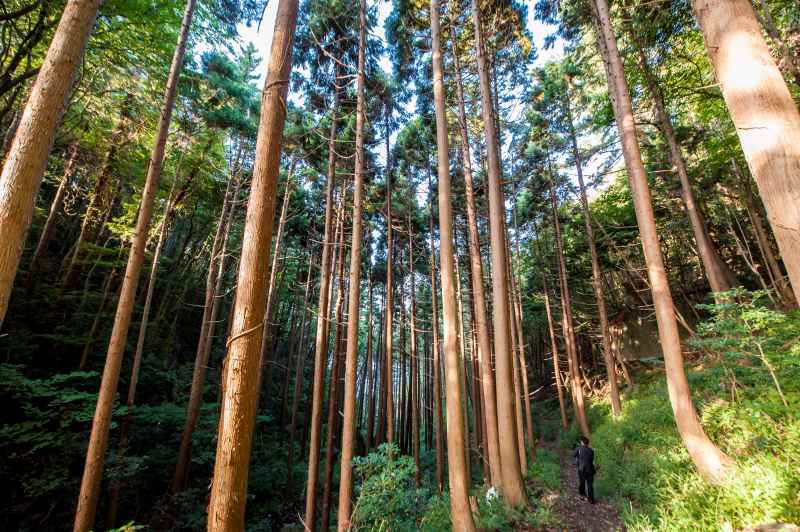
583 457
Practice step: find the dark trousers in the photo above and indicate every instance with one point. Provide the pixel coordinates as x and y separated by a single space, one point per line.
586 484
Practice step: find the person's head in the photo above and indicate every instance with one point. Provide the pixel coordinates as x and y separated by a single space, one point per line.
585 440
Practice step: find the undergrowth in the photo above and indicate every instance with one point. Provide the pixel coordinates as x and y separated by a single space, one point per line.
750 351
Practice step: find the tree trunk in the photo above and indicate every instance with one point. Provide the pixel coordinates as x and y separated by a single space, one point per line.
87 348
321 339
388 335
710 461
55 208
210 309
26 160
512 486
460 511
765 115
720 277
333 384
354 297
98 440
597 274
298 381
267 337
567 322
231 467
554 348
436 384
113 504
101 202
780 282
415 395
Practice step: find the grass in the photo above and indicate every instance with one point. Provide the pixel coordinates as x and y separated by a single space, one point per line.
645 467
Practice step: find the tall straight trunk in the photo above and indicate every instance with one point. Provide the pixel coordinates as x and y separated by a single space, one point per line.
464 380
415 395
719 275
55 208
210 308
511 474
267 339
101 202
366 395
554 349
712 463
321 339
90 339
766 117
576 387
354 297
436 382
98 440
388 336
298 380
333 386
764 244
515 360
25 162
372 379
523 364
229 485
597 274
460 511
113 504
294 319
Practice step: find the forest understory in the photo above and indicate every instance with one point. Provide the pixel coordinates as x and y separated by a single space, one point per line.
304 265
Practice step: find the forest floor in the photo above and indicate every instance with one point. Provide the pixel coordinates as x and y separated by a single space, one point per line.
573 512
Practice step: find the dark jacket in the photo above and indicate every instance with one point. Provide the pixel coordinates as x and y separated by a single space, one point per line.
583 457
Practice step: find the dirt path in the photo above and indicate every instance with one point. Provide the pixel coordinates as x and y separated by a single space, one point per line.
574 513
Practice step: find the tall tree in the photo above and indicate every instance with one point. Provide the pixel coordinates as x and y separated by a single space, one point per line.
25 162
460 512
478 292
512 487
354 297
712 463
231 467
766 117
98 440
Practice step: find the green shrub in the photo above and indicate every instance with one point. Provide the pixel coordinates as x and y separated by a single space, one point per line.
387 496
642 460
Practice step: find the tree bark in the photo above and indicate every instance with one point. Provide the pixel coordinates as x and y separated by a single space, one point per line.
567 322
321 339
229 485
710 461
597 274
415 395
354 297
478 293
436 384
210 309
26 160
460 511
55 208
766 117
512 486
298 381
98 440
266 342
720 277
554 348
113 504
388 335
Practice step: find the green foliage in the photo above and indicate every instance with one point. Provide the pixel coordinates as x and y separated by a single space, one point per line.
387 496
643 463
493 514
546 469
